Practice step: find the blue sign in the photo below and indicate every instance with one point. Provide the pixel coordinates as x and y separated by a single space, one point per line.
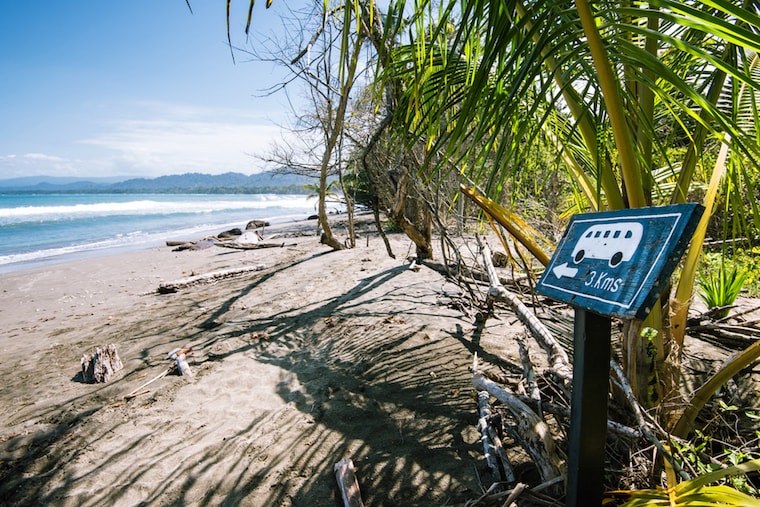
619 262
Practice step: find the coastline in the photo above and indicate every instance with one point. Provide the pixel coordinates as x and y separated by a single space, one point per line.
135 247
317 357
42 230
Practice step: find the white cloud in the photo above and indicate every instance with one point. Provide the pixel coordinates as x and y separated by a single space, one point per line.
169 146
36 157
152 139
27 164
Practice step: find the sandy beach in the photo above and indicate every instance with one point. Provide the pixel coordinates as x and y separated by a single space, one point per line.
318 356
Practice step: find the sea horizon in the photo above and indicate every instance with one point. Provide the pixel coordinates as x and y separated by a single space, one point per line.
43 229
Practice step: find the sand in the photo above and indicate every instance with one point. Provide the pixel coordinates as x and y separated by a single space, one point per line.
320 356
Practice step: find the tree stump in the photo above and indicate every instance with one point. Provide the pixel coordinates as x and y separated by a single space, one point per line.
102 365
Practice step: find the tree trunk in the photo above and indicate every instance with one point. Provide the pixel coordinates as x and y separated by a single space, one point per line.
351 240
333 134
419 231
652 363
327 237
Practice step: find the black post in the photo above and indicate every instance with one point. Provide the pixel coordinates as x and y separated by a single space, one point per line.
588 418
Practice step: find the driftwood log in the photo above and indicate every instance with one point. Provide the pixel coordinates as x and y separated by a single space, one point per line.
194 245
171 287
529 376
102 365
249 246
345 474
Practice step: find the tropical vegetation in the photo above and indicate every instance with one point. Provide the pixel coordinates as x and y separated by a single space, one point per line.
535 110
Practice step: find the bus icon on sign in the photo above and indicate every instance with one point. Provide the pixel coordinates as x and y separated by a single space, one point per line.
613 242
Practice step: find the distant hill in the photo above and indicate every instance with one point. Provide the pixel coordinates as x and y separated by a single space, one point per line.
227 183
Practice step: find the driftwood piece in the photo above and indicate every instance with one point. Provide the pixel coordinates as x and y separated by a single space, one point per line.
179 357
195 245
249 246
521 491
613 427
345 474
558 359
529 375
256 224
534 432
490 427
171 287
139 390
102 365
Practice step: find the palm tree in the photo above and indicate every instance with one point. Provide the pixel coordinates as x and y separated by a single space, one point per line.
615 86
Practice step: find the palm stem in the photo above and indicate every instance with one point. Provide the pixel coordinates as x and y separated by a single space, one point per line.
613 101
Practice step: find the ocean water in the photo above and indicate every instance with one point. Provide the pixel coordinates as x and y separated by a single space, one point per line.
48 228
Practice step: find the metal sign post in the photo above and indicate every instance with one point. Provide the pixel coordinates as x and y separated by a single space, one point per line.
608 264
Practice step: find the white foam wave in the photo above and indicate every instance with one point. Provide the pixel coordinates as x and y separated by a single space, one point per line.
143 207
130 241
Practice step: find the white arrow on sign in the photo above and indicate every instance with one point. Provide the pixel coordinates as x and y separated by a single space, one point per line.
563 270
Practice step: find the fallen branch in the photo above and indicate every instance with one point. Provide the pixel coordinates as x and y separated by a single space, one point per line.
250 246
139 390
171 287
529 375
135 395
558 359
564 412
638 414
533 430
495 455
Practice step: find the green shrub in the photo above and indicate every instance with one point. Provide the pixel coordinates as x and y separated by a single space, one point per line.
720 286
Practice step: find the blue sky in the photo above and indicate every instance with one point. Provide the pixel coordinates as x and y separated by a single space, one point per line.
135 88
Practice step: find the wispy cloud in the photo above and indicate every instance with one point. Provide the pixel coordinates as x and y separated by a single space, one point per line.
152 139
171 138
172 146
19 165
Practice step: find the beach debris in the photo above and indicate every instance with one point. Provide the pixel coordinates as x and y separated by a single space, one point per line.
196 245
102 365
256 224
251 246
532 431
235 234
182 367
345 474
141 390
180 356
248 237
171 287
558 358
232 233
183 351
490 426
